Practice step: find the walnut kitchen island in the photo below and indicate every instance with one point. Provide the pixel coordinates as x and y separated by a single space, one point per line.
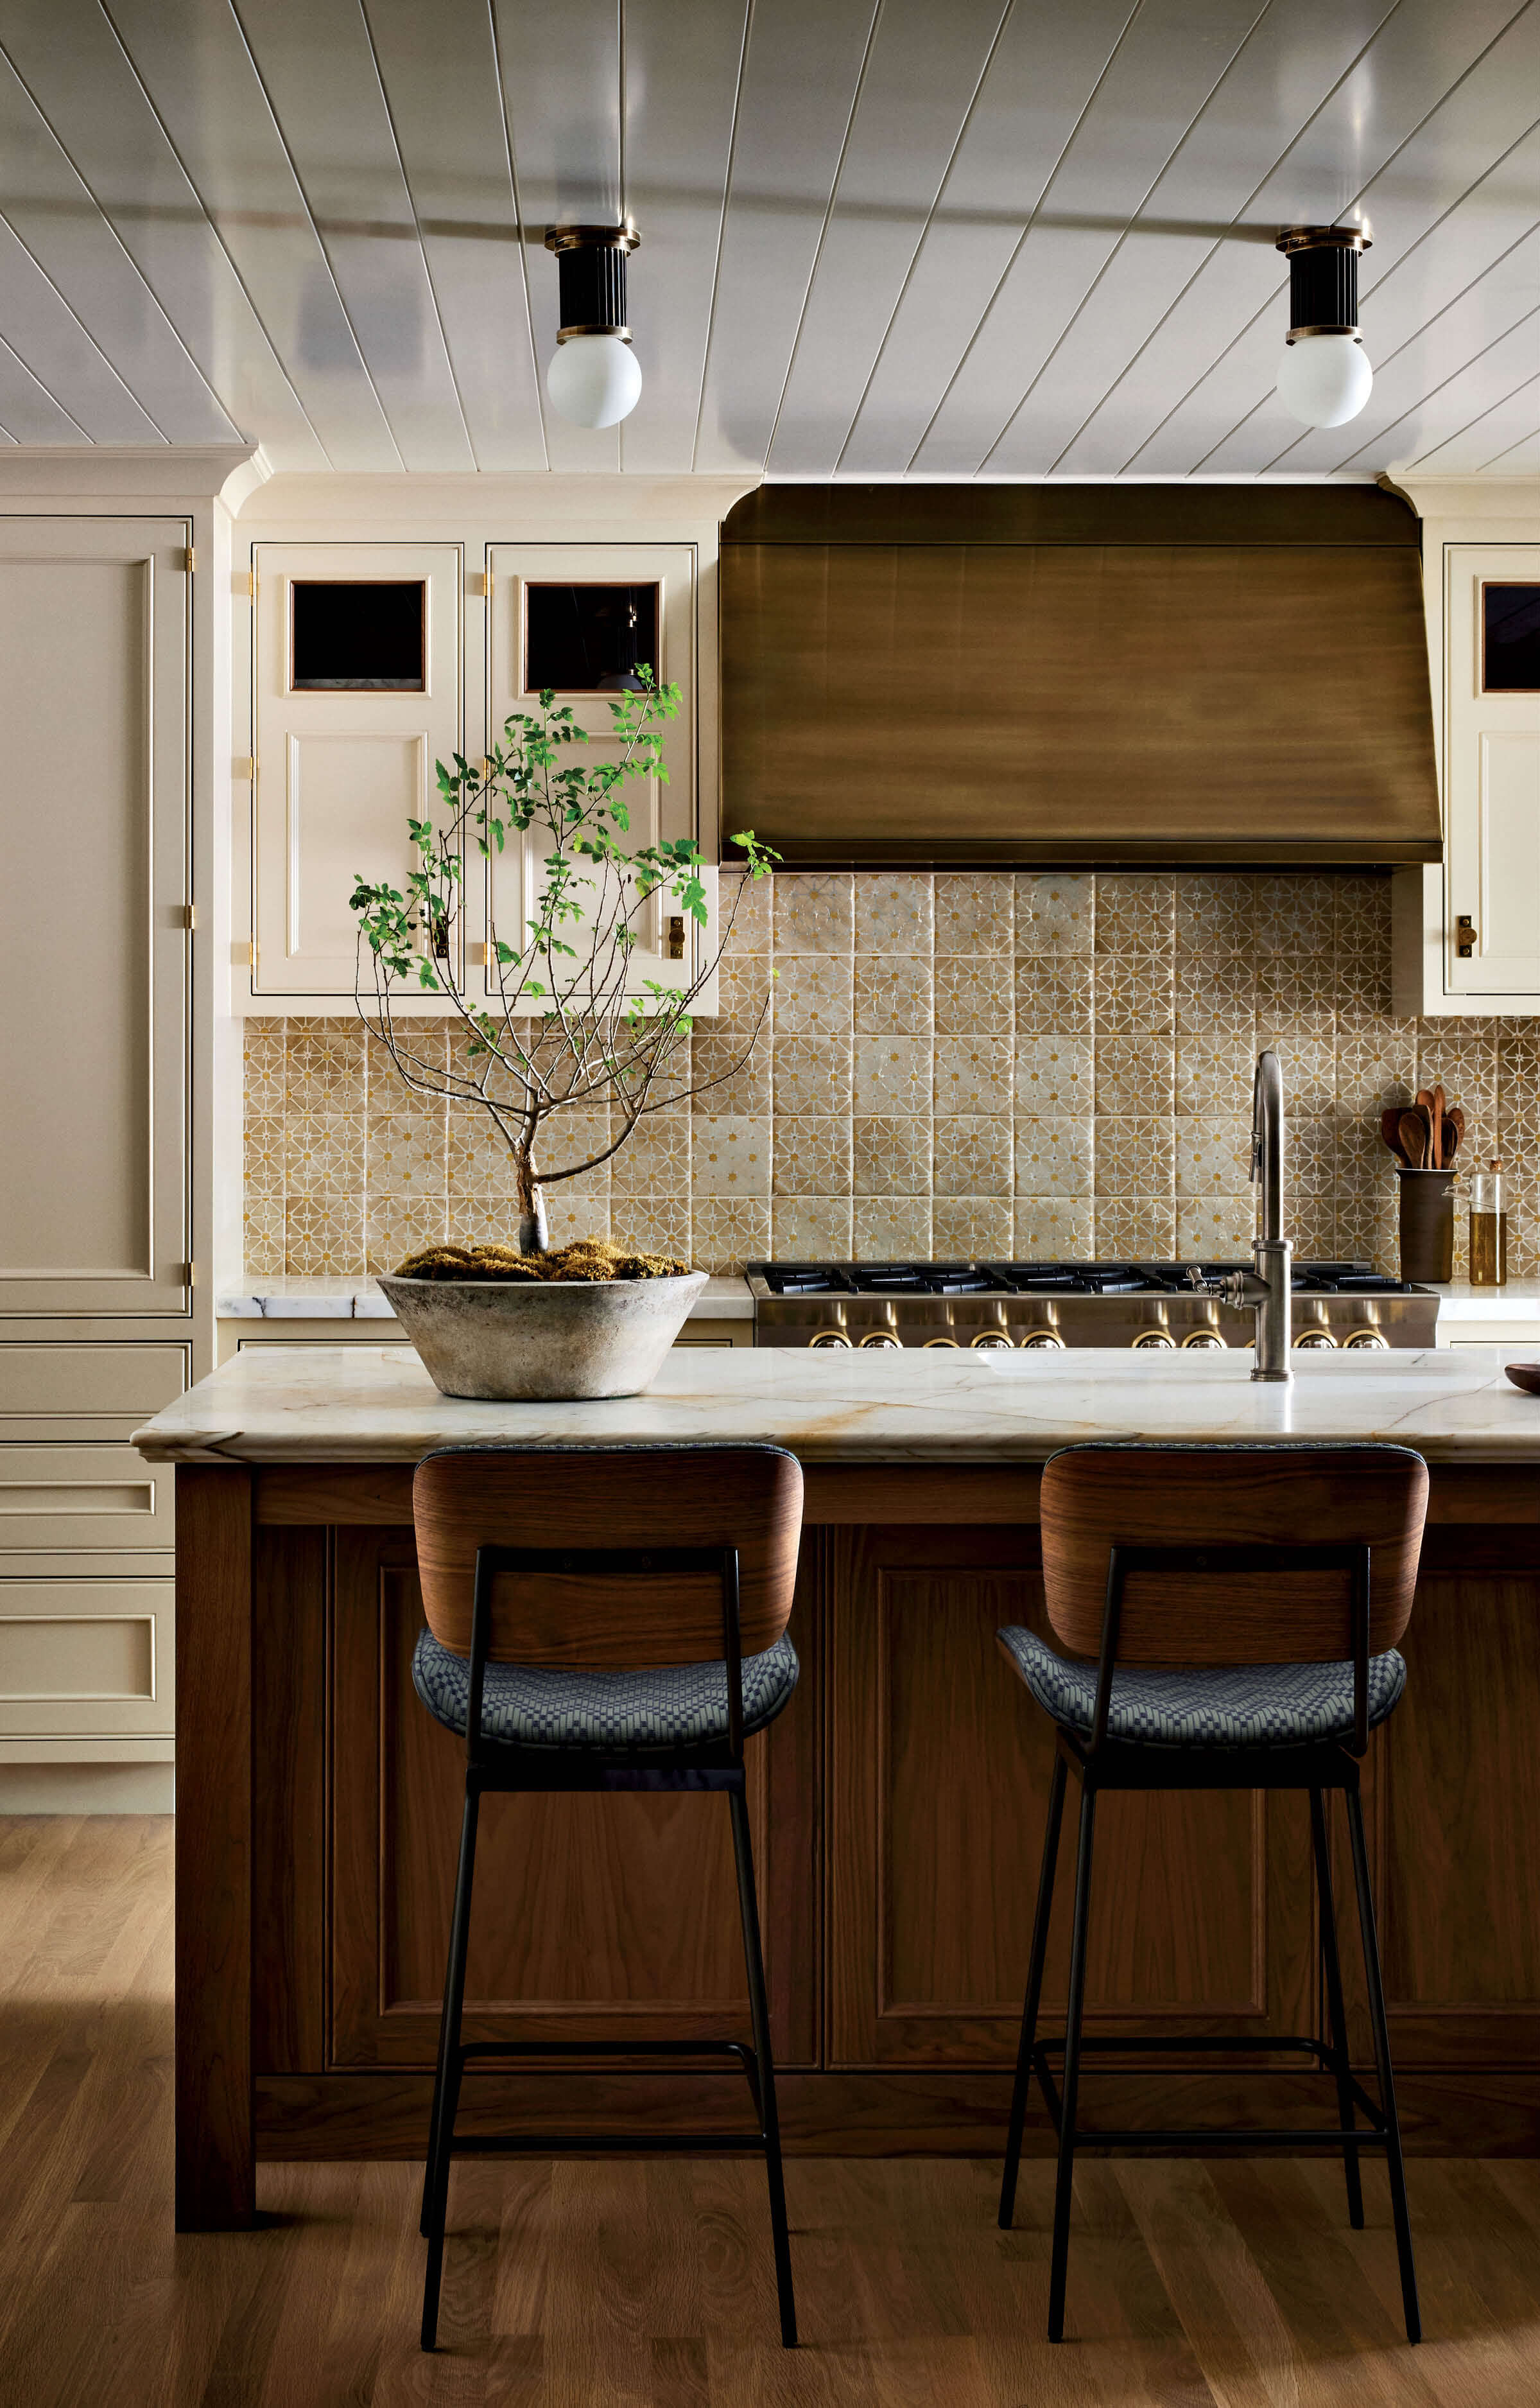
897 1804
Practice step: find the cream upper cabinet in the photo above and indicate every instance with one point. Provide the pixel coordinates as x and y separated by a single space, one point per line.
577 619
1491 934
356 693
94 801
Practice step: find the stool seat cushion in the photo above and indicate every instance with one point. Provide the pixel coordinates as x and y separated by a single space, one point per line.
668 1706
1246 1705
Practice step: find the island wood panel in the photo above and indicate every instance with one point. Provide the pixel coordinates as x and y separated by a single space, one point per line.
609 1917
939 1782
290 1607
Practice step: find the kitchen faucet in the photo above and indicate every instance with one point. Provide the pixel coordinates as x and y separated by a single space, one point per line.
1266 1286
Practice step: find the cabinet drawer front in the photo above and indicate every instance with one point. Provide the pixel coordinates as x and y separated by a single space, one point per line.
102 1391
90 1657
83 1500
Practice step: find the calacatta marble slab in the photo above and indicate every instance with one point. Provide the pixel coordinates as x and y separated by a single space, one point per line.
377 1405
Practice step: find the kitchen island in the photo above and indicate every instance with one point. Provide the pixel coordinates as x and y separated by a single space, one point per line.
897 1804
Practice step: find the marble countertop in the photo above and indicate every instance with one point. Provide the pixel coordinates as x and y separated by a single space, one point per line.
1458 1300
360 1300
371 1404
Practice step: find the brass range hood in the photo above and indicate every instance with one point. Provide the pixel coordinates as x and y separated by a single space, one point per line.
1092 674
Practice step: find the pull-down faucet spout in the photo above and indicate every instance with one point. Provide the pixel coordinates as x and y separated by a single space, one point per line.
1267 1285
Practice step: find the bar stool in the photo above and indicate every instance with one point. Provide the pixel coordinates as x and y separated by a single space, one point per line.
571 1662
1274 1669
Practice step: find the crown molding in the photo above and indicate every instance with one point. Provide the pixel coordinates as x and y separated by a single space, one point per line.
539 501
1466 497
159 472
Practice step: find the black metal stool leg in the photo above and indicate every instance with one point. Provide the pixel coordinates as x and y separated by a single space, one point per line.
436 2184
765 2086
1064 2189
1382 2066
1034 1993
1336 2012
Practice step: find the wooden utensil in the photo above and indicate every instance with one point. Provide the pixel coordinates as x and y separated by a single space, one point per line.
1389 1129
1448 1144
1413 1133
1439 1112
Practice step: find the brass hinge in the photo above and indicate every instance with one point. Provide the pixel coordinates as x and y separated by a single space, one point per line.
248 953
190 1274
243 766
481 583
245 582
190 560
189 916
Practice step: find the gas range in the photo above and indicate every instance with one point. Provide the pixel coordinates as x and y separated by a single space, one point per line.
1153 1305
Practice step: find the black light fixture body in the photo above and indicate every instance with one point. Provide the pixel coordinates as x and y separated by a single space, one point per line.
593 380
1325 377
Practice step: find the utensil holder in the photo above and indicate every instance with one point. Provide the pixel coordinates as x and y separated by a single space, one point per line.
1427 1224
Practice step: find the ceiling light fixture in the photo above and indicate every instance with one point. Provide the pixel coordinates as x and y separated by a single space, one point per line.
594 379
1324 376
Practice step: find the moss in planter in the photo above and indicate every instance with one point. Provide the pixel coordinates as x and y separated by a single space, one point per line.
585 1258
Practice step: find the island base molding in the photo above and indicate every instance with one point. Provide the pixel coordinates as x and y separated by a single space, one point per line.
897 1810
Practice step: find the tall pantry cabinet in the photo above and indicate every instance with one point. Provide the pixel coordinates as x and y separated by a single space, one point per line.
109 673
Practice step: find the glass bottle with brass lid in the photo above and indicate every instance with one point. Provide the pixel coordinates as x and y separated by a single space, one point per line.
1489 1228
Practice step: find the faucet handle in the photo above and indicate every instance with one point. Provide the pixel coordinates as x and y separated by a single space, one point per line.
1256 1153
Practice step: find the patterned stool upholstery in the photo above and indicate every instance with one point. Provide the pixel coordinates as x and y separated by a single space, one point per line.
1251 1705
672 1706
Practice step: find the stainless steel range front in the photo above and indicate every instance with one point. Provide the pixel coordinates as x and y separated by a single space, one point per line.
1154 1305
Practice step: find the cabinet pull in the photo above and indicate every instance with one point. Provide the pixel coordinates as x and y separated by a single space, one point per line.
674 946
1466 936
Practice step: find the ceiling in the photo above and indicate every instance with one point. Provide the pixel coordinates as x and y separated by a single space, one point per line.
941 238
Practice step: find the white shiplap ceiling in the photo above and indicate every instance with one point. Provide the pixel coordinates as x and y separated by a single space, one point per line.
880 237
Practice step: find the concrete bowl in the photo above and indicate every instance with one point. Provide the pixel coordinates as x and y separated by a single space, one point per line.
514 1342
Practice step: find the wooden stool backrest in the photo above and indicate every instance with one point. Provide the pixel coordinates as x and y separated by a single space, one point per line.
1098 1497
592 1499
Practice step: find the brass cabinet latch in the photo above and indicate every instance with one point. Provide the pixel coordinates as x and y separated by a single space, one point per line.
1465 936
674 946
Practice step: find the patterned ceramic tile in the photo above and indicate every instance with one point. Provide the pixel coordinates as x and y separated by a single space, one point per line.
813 994
1312 1224
973 1074
729 1157
732 1076
814 911
1311 1168
973 1156
811 1228
1050 1001
1309 1067
324 1155
1376 1068
1054 1157
811 1074
1296 912
324 1071
324 1236
894 991
1213 1157
424 1047
654 1160
1136 1228
1215 1227
891 1156
1054 1074
1211 1002
396 1226
1136 912
1293 994
969 1228
812 1155
1215 914
745 913
478 1161
652 1225
890 1228
1052 1228
1135 1156
895 911
263 1237
973 991
1134 1074
1215 1070
408 1154
1055 913
265 1164
1366 1232
577 1207
974 912
730 1232
267 1068
1134 993
569 1138
893 1074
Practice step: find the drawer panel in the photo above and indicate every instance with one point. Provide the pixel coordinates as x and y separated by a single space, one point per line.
87 1657
83 1500
102 1391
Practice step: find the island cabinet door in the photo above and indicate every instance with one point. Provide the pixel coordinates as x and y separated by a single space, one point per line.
606 1917
939 1765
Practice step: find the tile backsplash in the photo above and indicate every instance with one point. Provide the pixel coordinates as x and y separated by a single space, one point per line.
961 1064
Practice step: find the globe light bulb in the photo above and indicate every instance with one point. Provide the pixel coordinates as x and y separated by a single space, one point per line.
594 379
1324 379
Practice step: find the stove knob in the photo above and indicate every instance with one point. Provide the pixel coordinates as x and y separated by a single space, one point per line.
1365 1338
1203 1339
1154 1338
988 1338
880 1337
953 1343
1313 1341
828 1338
1044 1338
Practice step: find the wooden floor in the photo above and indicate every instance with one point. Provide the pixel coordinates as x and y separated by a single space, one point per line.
649 2285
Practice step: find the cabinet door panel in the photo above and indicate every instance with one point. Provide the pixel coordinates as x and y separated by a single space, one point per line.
940 1766
341 763
94 825
1492 779
86 1658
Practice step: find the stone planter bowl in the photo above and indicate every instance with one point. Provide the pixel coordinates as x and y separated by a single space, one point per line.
513 1340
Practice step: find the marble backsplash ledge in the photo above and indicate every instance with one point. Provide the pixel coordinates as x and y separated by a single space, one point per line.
952 1065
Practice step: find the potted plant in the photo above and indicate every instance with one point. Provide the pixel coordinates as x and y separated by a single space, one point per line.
574 1026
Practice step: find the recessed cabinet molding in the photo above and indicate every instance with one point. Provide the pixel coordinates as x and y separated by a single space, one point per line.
1467 932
